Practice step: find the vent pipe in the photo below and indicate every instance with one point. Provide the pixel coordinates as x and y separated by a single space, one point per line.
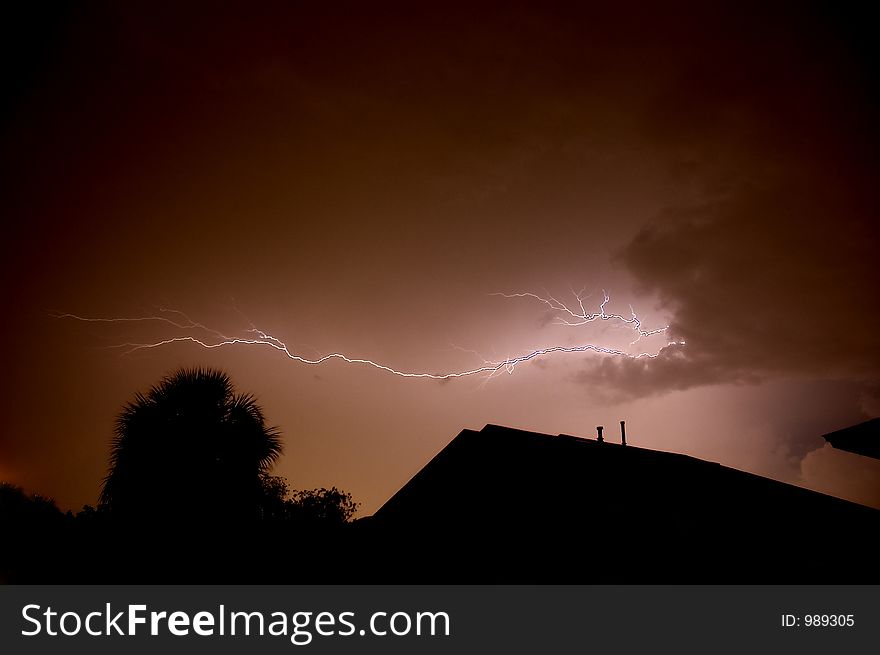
623 432
599 429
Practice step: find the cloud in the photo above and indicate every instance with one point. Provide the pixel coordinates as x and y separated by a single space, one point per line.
765 260
675 368
766 283
842 474
869 399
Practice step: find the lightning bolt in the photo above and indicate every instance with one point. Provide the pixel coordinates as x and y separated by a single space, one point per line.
582 318
569 315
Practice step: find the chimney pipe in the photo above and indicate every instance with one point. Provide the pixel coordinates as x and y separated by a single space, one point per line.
623 432
599 429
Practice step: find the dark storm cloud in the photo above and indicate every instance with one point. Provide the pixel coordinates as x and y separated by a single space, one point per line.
776 280
766 263
770 282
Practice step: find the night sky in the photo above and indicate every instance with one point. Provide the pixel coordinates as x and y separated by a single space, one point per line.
359 178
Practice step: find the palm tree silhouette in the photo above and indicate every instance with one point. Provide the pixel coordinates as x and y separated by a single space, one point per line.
190 450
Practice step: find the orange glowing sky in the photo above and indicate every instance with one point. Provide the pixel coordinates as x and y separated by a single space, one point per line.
360 178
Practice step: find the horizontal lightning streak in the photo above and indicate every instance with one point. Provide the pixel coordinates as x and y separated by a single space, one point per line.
488 367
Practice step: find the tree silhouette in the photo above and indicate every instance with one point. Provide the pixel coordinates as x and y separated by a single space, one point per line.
323 506
30 528
190 450
306 508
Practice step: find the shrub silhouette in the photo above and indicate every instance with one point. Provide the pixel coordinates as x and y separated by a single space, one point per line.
190 450
322 506
30 525
305 508
20 508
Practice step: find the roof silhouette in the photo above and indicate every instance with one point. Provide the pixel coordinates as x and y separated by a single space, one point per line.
507 505
862 438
